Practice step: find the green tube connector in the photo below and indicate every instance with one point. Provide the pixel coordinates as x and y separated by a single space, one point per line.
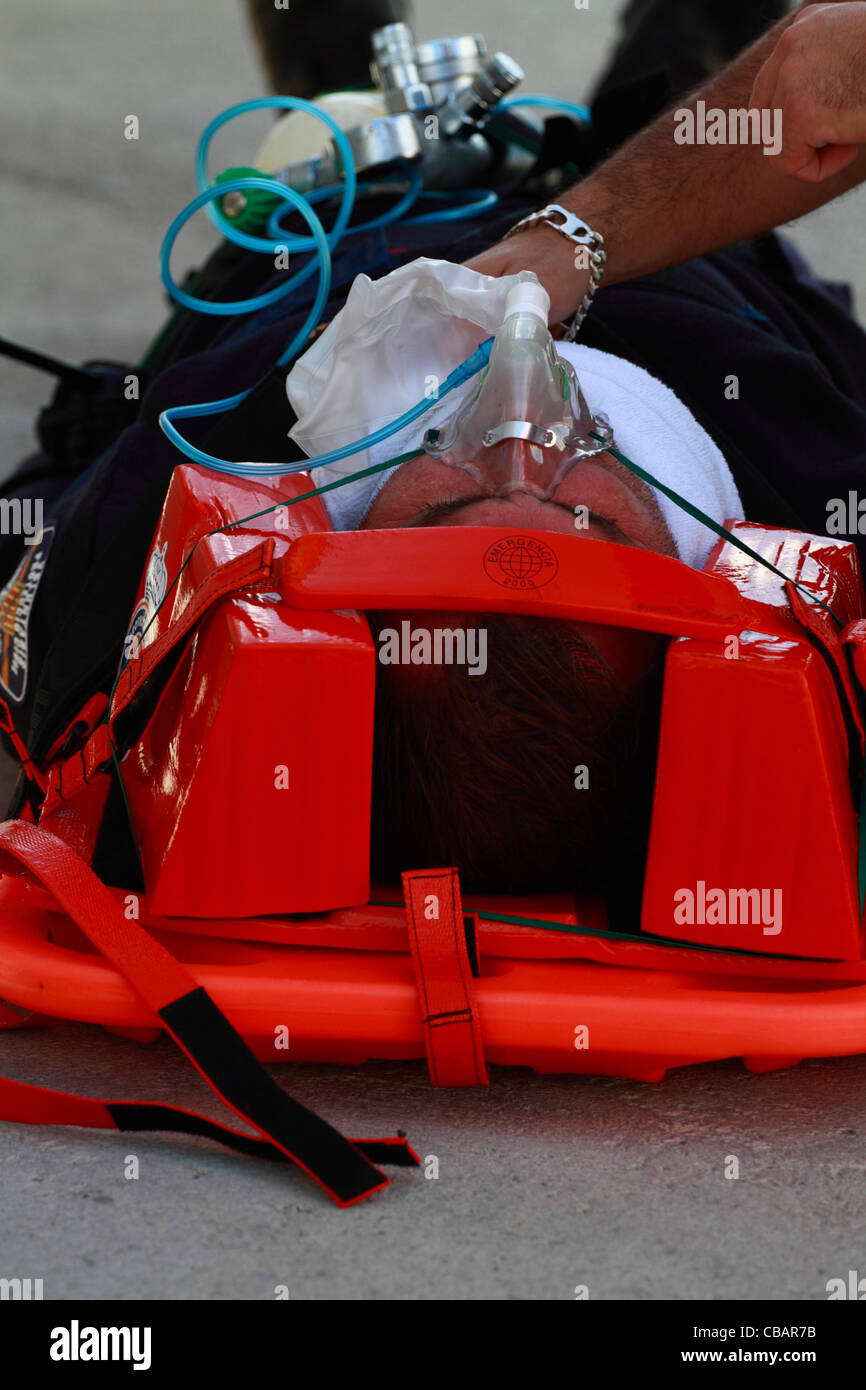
247 209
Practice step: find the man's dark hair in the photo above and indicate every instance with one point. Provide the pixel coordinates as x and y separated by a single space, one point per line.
480 771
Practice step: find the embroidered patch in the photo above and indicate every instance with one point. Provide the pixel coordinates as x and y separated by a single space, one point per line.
16 605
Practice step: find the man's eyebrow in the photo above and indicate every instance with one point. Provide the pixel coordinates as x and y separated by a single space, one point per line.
435 512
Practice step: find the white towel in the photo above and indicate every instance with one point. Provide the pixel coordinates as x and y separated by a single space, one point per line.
651 426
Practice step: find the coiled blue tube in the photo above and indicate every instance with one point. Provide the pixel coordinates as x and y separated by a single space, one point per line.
473 202
349 186
319 241
259 301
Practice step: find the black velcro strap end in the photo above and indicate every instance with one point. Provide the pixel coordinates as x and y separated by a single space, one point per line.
133 1117
226 1062
395 1153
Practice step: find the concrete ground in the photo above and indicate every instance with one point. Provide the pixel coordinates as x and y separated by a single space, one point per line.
545 1183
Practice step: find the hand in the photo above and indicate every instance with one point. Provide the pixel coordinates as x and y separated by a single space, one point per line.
552 258
816 76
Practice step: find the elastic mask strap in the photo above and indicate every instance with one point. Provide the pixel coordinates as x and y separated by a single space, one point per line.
714 526
606 934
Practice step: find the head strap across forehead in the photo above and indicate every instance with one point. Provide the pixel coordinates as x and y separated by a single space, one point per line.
545 573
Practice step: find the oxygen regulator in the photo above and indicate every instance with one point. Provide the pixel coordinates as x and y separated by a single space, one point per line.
427 111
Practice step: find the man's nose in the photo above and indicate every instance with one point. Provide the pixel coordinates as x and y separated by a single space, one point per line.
519 487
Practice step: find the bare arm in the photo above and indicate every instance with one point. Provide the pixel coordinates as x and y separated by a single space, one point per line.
658 202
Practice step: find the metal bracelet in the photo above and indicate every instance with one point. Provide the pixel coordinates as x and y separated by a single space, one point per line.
575 230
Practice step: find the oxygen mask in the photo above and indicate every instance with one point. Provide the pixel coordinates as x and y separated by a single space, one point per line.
527 424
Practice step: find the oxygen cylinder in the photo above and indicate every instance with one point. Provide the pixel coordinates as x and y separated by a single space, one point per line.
298 137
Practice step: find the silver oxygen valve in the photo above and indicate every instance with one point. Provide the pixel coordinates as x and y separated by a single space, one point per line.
438 98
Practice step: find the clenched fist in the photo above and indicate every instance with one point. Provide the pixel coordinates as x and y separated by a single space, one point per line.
816 76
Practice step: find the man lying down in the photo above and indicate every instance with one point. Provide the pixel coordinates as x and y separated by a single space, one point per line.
738 379
482 767
523 732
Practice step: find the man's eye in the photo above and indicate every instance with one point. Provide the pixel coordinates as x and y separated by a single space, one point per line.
437 511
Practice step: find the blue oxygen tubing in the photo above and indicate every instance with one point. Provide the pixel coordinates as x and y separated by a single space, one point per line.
318 242
470 202
570 108
318 239
474 363
321 244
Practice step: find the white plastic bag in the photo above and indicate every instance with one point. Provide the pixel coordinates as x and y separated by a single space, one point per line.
394 342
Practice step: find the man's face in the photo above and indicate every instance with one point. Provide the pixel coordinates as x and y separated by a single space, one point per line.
425 492
621 508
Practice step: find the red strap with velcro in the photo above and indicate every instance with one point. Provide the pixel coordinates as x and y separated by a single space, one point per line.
437 938
341 1166
38 1105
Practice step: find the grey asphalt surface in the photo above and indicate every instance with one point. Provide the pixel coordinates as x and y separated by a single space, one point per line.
545 1183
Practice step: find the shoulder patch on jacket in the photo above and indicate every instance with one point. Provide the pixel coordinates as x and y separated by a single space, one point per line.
16 605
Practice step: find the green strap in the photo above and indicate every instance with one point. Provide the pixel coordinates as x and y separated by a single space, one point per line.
640 938
178 312
317 491
714 526
643 938
747 550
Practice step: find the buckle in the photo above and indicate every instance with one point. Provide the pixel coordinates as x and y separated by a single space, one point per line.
570 226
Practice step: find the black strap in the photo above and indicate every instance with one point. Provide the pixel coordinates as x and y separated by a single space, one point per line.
133 1117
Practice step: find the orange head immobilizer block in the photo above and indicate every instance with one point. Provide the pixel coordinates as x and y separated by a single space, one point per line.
250 788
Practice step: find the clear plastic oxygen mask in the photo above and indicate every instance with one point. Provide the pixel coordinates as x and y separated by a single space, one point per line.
528 423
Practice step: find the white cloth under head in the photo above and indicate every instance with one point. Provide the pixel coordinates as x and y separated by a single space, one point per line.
653 428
